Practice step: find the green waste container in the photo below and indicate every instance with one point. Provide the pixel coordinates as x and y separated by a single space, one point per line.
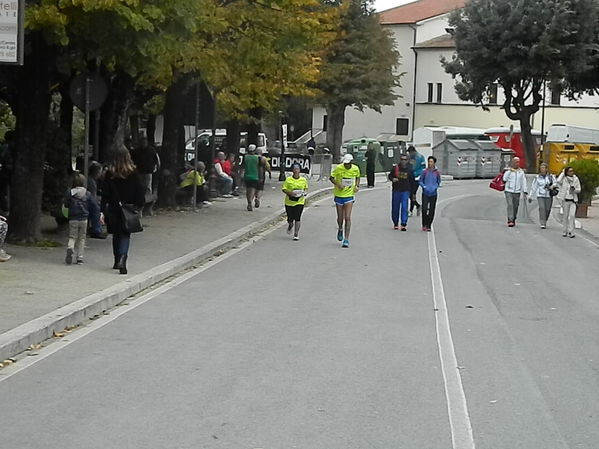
358 148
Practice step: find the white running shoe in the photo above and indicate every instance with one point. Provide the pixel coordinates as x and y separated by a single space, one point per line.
4 257
295 237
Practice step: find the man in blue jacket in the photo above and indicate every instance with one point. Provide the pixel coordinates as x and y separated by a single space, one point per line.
417 164
430 180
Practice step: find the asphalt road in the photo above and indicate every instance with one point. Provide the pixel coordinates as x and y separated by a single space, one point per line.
307 345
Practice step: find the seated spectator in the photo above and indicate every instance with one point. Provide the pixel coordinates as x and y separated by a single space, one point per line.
196 177
224 182
230 167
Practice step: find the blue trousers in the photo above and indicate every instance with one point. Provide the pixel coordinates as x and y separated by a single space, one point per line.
94 217
120 244
399 200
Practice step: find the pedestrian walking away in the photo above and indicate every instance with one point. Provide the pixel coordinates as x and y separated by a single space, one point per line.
123 186
3 231
417 164
430 181
402 186
252 174
543 189
569 188
346 179
515 185
370 164
295 188
79 202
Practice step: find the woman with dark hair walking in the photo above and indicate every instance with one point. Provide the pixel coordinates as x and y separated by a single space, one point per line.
122 186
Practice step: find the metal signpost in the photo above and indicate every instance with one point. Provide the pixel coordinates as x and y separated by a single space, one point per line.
88 93
12 32
283 146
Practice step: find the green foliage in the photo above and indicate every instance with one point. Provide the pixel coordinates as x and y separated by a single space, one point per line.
587 171
360 66
7 119
546 40
520 45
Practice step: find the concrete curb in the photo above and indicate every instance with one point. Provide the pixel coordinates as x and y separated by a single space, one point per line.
17 340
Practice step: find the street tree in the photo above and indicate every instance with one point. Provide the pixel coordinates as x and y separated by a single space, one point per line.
359 68
519 45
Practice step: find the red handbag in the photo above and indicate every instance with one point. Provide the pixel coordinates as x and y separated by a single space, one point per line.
497 183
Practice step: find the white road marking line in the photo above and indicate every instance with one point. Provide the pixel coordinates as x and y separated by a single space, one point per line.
457 408
118 311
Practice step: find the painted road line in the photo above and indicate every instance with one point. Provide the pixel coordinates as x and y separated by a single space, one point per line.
457 408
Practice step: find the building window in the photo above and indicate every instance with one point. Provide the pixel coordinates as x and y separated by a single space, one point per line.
402 126
439 92
556 95
430 92
493 93
324 122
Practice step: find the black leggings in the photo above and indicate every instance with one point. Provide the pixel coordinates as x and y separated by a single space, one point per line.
429 203
294 213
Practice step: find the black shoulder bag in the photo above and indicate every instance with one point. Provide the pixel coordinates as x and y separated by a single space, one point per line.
130 216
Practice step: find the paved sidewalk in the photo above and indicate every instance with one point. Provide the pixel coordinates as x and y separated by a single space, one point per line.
37 284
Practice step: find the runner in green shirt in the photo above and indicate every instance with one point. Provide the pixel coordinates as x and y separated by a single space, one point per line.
346 178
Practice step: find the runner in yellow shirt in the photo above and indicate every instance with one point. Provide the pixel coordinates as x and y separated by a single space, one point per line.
346 178
295 188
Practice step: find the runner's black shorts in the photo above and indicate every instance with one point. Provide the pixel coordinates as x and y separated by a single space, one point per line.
294 213
252 184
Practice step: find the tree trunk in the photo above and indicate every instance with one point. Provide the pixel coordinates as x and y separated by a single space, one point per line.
115 113
151 129
254 127
134 126
171 158
32 111
335 123
529 143
233 136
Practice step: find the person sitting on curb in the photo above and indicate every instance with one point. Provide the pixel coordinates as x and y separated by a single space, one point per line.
3 231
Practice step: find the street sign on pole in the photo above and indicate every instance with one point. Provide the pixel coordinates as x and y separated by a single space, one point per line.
12 32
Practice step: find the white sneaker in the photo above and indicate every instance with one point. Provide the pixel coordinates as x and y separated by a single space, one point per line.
227 195
295 237
4 257
206 203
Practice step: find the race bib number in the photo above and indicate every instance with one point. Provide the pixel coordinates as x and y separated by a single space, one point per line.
347 182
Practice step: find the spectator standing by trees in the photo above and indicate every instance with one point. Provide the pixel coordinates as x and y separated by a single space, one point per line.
3 231
122 186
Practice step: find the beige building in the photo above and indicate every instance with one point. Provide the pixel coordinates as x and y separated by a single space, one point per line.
427 94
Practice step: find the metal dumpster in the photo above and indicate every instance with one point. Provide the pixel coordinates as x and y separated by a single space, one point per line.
457 157
488 164
392 146
358 148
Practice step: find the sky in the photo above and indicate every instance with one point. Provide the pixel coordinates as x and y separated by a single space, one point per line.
381 5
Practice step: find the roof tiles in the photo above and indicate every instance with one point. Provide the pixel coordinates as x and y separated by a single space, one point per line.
418 10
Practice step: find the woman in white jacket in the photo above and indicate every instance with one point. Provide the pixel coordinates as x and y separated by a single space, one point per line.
569 188
541 189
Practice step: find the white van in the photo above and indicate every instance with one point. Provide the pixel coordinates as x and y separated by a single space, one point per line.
221 135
